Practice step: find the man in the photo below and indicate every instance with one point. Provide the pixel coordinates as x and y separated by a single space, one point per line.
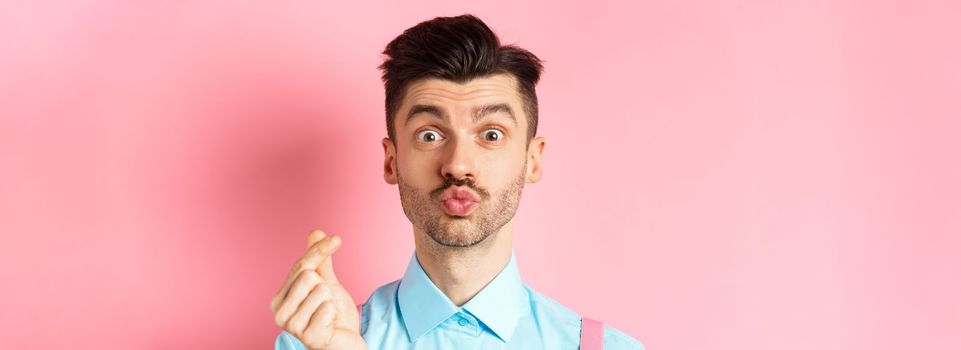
461 125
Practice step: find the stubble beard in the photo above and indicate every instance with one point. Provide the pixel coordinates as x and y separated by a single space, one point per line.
423 210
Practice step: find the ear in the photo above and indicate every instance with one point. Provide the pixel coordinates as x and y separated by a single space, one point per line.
390 161
534 152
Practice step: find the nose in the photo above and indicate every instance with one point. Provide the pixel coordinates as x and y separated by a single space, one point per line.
459 160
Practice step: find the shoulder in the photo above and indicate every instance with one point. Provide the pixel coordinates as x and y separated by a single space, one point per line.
616 339
383 295
378 305
546 308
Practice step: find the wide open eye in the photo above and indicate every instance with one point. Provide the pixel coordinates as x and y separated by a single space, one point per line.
428 136
493 135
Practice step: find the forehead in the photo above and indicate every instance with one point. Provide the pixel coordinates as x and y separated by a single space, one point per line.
501 88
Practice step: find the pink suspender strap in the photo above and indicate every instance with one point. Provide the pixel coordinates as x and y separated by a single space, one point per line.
592 334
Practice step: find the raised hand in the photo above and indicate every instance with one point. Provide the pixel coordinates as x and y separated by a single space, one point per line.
313 306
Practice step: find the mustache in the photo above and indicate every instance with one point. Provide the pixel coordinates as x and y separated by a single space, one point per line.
467 182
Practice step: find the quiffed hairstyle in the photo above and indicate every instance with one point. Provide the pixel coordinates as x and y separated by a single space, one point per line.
458 49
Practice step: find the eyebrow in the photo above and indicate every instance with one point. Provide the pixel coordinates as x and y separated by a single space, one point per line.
479 112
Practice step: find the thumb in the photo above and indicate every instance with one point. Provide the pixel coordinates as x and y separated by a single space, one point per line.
326 268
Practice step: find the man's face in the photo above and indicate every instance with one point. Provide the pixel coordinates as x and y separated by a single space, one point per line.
461 157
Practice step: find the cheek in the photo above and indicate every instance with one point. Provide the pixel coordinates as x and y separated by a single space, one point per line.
503 170
415 166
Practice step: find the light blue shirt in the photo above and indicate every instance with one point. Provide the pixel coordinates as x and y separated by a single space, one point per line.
412 313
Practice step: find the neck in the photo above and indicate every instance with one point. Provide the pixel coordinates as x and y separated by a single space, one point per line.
461 272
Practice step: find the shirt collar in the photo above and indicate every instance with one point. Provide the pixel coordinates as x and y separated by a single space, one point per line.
499 305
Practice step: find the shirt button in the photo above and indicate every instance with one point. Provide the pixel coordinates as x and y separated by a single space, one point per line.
462 322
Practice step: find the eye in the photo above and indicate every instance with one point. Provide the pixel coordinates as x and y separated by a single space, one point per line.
428 136
493 135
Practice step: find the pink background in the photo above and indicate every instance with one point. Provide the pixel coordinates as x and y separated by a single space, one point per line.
718 174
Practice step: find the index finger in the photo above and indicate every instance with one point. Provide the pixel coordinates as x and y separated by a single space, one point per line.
314 237
315 256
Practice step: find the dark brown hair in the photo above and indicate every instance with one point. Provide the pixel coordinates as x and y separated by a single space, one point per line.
458 49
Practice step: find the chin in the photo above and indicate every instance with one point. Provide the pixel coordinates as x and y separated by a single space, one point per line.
459 228
458 231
